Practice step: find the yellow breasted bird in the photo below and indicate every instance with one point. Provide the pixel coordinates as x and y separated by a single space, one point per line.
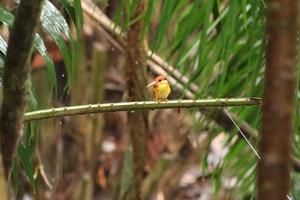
161 88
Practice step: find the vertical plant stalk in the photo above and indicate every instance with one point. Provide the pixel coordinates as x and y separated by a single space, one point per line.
136 81
80 93
95 136
278 100
15 81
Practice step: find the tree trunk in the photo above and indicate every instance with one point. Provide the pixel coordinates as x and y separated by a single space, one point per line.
278 100
15 81
136 82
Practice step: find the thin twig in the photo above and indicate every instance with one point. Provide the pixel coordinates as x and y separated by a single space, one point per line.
42 170
241 132
139 105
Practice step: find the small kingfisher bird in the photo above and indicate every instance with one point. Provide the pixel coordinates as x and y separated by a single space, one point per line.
161 88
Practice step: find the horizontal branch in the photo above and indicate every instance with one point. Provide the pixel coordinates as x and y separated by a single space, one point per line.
139 105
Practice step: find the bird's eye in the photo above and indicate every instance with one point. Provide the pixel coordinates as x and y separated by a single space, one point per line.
159 80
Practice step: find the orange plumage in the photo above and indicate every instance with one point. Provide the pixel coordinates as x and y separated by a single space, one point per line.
161 88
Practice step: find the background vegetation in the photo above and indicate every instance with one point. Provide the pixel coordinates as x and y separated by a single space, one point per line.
106 51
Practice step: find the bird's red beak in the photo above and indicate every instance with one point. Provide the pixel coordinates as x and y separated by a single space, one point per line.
150 84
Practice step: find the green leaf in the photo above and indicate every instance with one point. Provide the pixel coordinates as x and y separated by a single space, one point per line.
33 105
74 9
33 138
79 16
119 12
40 46
234 151
169 7
188 24
3 46
53 21
131 6
55 24
26 162
148 15
26 149
217 182
6 17
16 176
69 8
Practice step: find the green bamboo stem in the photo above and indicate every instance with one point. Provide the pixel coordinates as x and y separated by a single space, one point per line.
138 105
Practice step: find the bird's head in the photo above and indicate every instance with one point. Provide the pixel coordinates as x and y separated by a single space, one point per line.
158 80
